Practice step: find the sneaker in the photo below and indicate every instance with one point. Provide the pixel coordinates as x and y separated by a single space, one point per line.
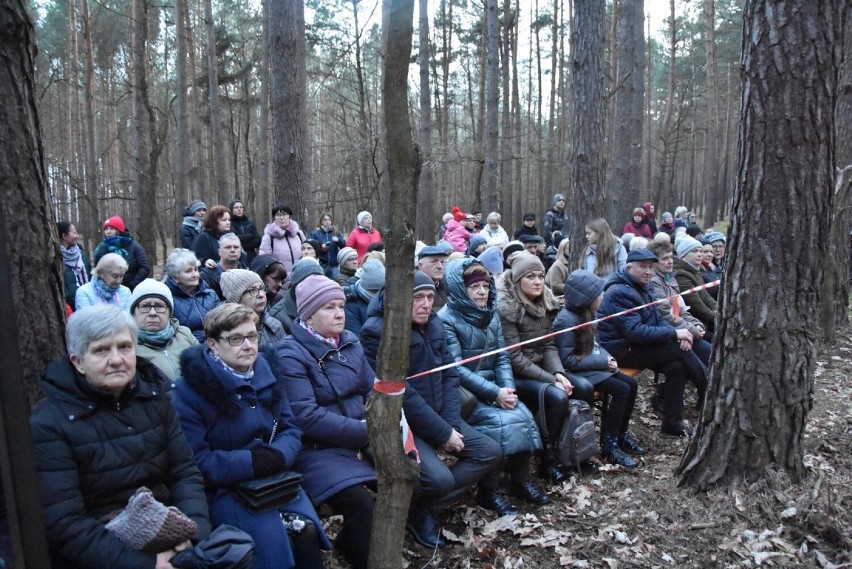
617 456
631 444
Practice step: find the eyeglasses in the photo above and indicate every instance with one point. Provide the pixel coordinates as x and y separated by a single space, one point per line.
282 215
236 340
146 308
256 291
479 287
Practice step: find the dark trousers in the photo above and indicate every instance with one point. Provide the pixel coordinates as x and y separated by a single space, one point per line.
702 349
555 404
622 390
677 365
355 504
441 485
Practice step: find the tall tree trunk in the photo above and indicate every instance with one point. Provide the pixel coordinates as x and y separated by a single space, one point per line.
491 179
647 150
835 295
92 191
145 190
666 154
446 56
263 202
366 143
518 189
200 164
427 226
183 192
552 131
756 408
587 161
621 194
217 148
506 162
291 164
637 105
396 473
30 282
710 180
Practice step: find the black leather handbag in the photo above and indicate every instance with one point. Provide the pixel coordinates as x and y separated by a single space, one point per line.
269 493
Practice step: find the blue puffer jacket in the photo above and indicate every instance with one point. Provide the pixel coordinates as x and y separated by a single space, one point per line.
644 327
431 402
470 331
326 237
190 309
328 389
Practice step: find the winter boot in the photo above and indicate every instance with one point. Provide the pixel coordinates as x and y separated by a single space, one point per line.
626 441
615 455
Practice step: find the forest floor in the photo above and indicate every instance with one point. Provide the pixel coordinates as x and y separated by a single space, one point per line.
617 519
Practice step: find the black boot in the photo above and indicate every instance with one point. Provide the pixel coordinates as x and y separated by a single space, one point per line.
425 528
530 492
491 499
630 443
548 469
615 455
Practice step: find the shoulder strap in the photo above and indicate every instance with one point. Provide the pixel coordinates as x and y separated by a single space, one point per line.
343 412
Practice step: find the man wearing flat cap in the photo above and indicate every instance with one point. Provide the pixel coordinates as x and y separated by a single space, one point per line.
642 339
431 260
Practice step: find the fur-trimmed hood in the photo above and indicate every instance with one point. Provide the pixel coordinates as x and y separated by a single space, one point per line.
513 306
219 387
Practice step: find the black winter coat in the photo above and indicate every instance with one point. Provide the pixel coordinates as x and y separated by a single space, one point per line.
249 236
431 402
93 452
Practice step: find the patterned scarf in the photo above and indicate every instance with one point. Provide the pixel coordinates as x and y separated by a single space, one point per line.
214 358
73 259
333 342
103 291
118 244
158 339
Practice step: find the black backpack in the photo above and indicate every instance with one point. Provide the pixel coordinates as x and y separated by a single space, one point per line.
577 442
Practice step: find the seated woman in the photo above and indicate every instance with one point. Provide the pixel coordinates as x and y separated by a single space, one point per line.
246 287
686 268
106 428
581 355
527 309
193 297
161 338
361 292
273 274
558 271
472 328
327 379
105 287
239 424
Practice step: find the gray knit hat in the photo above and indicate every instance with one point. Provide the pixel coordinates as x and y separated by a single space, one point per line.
372 275
345 253
423 282
236 281
686 244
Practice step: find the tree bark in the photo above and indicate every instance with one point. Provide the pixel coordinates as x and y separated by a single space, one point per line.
621 194
217 148
92 193
291 164
712 190
183 192
396 473
427 226
637 104
664 185
587 161
764 351
262 203
491 178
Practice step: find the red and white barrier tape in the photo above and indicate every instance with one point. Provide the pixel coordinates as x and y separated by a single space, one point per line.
552 334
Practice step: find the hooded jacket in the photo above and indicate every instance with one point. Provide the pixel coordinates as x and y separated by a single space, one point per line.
190 227
133 253
470 331
328 388
522 320
285 244
246 230
431 402
559 270
94 451
457 235
644 327
594 366
360 239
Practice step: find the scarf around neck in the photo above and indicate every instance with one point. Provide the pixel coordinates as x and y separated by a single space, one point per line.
73 259
103 291
158 339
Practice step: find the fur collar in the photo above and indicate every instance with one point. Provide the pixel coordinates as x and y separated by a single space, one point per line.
207 381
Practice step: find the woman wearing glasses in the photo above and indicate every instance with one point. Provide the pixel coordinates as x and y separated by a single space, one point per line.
193 297
161 338
237 419
246 288
472 327
282 238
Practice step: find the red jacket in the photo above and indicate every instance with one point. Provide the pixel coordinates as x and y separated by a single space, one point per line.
360 238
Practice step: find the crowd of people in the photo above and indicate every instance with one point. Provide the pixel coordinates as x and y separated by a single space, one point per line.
255 355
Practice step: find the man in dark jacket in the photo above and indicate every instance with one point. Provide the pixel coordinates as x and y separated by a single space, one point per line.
642 339
555 222
431 260
433 412
230 257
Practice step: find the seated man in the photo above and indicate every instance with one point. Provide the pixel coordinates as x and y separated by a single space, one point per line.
231 256
432 409
642 339
431 260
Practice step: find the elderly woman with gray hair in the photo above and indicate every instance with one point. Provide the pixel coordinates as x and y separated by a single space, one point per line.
107 428
105 287
193 298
